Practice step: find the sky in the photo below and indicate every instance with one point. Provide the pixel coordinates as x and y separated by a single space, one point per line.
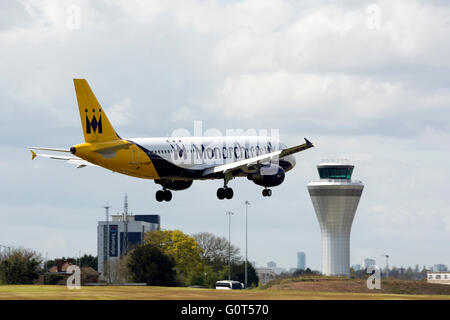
364 80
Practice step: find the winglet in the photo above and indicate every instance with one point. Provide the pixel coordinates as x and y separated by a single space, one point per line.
33 154
308 143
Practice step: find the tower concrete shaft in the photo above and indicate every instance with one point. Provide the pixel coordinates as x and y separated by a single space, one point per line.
335 198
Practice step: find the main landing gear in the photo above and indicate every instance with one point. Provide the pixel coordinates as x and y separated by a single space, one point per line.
163 194
225 192
266 192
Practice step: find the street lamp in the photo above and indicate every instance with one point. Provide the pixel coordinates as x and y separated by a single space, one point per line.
229 213
246 229
387 264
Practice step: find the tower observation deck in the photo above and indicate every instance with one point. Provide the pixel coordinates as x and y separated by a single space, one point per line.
335 198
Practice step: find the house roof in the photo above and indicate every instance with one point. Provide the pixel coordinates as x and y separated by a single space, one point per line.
84 270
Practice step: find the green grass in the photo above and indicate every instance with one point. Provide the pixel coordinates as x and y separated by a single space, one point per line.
303 278
48 292
346 285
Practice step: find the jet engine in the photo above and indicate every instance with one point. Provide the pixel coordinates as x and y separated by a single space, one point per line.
174 184
270 175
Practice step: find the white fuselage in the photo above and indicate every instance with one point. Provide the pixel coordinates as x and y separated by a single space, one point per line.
198 153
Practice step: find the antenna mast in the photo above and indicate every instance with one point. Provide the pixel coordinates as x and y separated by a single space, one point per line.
387 264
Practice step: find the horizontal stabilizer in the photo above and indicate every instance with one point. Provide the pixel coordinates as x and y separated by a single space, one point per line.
80 163
49 149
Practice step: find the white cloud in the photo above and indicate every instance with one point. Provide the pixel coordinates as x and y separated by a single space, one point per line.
333 38
326 97
446 221
120 114
182 114
309 69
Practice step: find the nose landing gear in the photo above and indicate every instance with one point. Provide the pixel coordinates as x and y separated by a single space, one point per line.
163 195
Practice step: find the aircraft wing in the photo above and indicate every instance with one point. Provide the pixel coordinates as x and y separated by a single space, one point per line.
248 164
80 163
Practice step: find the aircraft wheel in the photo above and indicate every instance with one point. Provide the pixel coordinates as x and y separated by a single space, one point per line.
159 195
221 193
229 193
167 195
269 192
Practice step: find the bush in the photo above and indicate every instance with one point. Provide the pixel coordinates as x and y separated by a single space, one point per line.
19 266
148 264
52 278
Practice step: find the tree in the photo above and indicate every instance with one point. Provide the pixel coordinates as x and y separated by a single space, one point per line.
309 272
409 273
19 266
89 261
215 254
182 248
215 250
238 273
352 273
148 263
117 270
423 273
394 272
208 276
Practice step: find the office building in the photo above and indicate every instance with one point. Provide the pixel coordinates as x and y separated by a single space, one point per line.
440 267
301 260
124 232
368 263
441 277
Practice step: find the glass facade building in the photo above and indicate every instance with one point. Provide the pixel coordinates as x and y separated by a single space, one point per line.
116 237
301 261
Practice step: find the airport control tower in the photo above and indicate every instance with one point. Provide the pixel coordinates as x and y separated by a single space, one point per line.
335 198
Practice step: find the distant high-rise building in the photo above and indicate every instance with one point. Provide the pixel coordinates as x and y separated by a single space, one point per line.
301 260
440 267
271 264
356 267
368 263
335 198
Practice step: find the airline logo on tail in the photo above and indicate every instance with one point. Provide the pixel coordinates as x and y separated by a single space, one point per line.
94 124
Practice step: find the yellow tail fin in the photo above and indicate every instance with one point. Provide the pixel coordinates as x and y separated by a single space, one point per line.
96 126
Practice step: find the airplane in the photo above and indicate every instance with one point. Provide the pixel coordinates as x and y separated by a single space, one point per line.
175 162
